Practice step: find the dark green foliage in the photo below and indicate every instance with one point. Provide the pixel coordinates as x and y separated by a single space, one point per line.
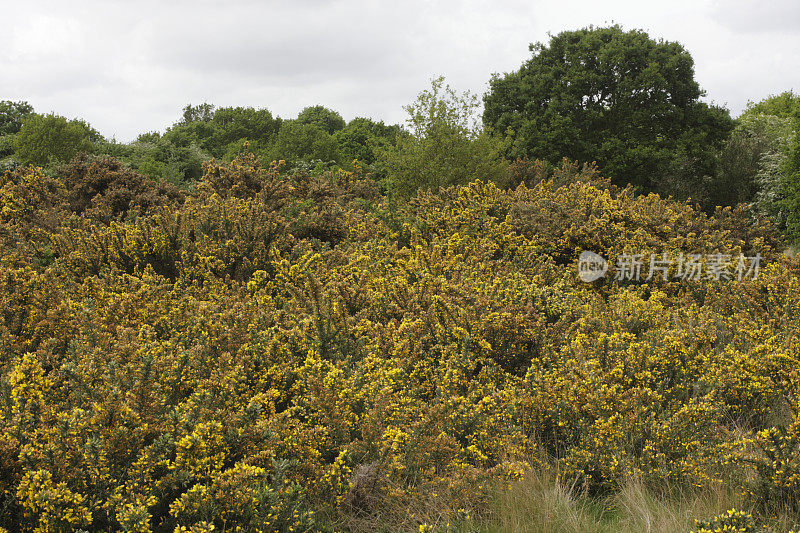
160 159
235 124
361 138
298 142
743 173
6 147
149 137
784 105
446 145
215 129
12 114
51 139
774 125
327 119
198 113
739 160
792 185
618 98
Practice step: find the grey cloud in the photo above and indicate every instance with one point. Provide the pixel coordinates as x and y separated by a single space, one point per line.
755 16
129 67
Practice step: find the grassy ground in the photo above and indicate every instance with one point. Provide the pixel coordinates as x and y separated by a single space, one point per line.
542 503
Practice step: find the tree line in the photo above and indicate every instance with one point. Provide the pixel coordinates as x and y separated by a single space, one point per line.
606 97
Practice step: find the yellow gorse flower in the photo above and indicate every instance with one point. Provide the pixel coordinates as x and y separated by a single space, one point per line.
280 344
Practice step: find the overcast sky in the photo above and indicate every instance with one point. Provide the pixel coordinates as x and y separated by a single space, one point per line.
130 66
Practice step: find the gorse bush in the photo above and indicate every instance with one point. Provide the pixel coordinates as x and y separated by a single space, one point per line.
105 189
285 352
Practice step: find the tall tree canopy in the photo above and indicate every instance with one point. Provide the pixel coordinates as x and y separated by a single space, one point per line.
445 145
297 142
12 114
362 136
219 130
327 119
51 139
778 176
616 97
784 105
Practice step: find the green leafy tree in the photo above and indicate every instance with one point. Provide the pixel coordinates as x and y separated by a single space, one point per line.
12 115
149 137
198 113
362 136
779 175
327 119
784 105
619 98
791 189
773 133
178 164
750 167
51 139
6 151
297 142
234 125
161 159
199 132
217 130
446 145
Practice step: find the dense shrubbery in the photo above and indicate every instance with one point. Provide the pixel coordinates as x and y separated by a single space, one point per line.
105 189
279 351
298 325
590 118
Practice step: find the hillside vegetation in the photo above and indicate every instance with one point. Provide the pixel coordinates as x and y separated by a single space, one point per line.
249 323
276 351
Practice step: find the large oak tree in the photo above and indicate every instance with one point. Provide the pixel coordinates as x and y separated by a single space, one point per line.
616 97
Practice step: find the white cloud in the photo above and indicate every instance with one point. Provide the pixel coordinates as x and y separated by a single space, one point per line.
757 16
129 67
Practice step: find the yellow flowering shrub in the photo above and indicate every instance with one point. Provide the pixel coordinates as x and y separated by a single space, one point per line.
282 352
732 520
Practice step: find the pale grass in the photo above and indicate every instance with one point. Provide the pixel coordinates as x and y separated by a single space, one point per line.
543 503
639 509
